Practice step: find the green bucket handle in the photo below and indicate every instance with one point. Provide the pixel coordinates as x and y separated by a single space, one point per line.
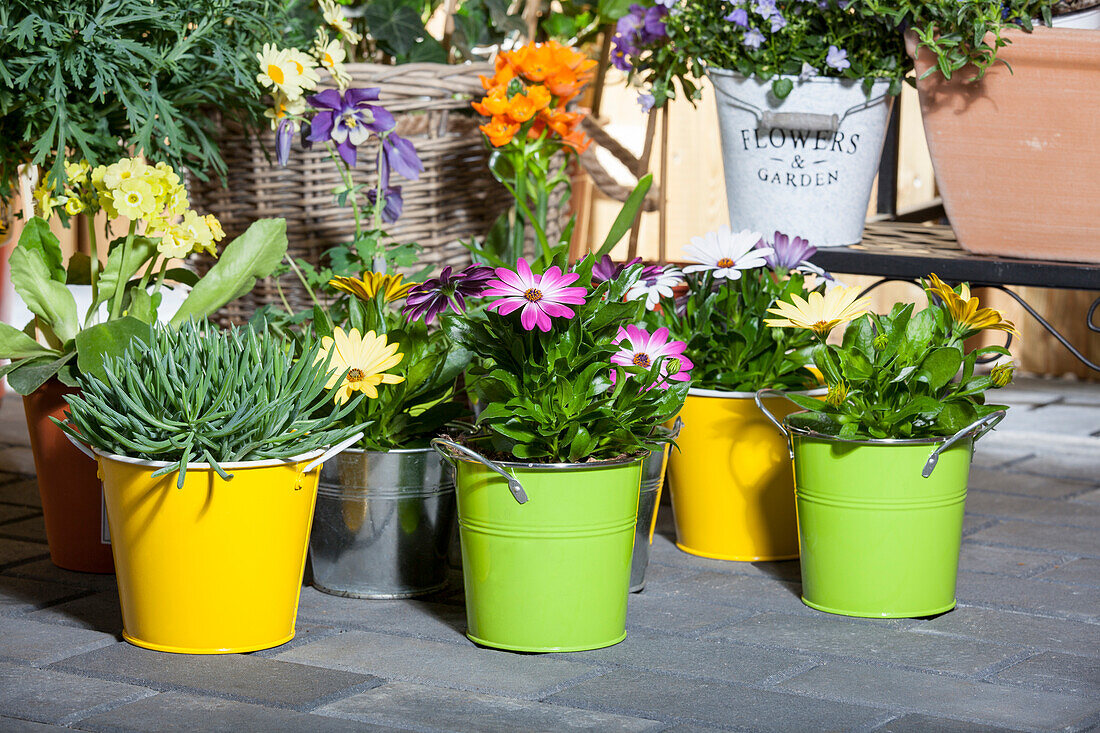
988 423
445 448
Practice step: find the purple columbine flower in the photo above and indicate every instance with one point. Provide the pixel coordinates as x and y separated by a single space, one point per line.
284 136
347 119
606 269
837 58
401 156
433 296
753 38
739 17
788 253
646 102
393 204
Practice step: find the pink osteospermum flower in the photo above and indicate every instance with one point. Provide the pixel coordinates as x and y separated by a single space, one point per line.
541 297
641 349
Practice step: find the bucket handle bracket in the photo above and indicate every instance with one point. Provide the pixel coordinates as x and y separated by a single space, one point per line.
983 425
758 398
446 448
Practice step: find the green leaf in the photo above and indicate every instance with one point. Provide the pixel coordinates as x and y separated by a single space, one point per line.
14 344
626 216
47 298
117 270
108 339
394 25
612 10
143 306
37 237
80 270
253 255
939 367
782 87
181 275
35 372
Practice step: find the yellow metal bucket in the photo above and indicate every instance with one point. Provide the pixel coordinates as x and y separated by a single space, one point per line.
215 567
731 480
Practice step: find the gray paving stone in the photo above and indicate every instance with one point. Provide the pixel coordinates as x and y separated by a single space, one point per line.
463 666
973 524
48 696
854 638
733 706
31 529
988 503
1006 627
1083 466
1043 537
711 657
917 723
99 611
236 676
1081 603
942 695
1083 571
415 618
13 422
659 575
46 570
18 595
403 703
14 551
1056 672
1089 497
1025 484
176 712
14 725
741 591
987 455
21 491
17 459
1002 560
14 512
44 643
1055 420
652 610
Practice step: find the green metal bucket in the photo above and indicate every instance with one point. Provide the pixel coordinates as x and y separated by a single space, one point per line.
546 550
880 521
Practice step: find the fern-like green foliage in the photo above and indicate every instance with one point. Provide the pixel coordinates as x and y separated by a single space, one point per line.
200 394
91 78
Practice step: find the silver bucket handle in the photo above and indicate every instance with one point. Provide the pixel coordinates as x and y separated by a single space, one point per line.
81 447
989 422
812 121
445 448
334 450
760 393
676 428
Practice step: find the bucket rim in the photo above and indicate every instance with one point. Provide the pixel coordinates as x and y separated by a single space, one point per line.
235 465
723 394
401 451
615 463
807 433
830 80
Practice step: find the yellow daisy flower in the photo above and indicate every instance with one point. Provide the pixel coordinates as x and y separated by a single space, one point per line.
821 314
331 55
372 282
964 309
359 362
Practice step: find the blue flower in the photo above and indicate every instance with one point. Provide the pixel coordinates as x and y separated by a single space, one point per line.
753 38
764 8
778 21
837 58
739 17
347 120
646 102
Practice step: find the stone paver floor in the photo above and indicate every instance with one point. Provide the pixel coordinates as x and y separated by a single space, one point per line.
711 645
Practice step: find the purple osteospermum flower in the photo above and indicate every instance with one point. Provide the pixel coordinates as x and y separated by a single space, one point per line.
753 38
642 349
401 156
347 119
606 269
739 17
788 253
541 297
432 297
837 58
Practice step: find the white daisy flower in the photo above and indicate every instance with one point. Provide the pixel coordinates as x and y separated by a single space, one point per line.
725 253
654 283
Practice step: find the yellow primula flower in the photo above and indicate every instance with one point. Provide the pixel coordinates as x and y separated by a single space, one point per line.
964 309
359 362
73 205
198 232
334 16
282 70
123 170
215 227
44 198
175 243
819 313
133 199
76 173
371 284
175 202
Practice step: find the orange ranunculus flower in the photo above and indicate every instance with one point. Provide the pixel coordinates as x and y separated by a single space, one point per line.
500 130
494 103
522 107
560 121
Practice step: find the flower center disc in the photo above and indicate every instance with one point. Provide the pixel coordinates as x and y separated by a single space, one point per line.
641 360
533 295
355 375
726 262
275 73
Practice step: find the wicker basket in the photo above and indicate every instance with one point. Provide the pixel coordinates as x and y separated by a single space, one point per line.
455 198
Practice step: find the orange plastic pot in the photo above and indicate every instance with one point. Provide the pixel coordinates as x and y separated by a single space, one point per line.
72 494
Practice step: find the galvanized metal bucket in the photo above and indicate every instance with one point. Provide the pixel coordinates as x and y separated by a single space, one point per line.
803 165
649 497
383 524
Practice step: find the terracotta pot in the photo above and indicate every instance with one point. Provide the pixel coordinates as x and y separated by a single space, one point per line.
68 481
1016 153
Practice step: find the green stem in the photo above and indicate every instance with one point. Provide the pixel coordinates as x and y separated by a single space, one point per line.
93 267
116 303
305 284
160 275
